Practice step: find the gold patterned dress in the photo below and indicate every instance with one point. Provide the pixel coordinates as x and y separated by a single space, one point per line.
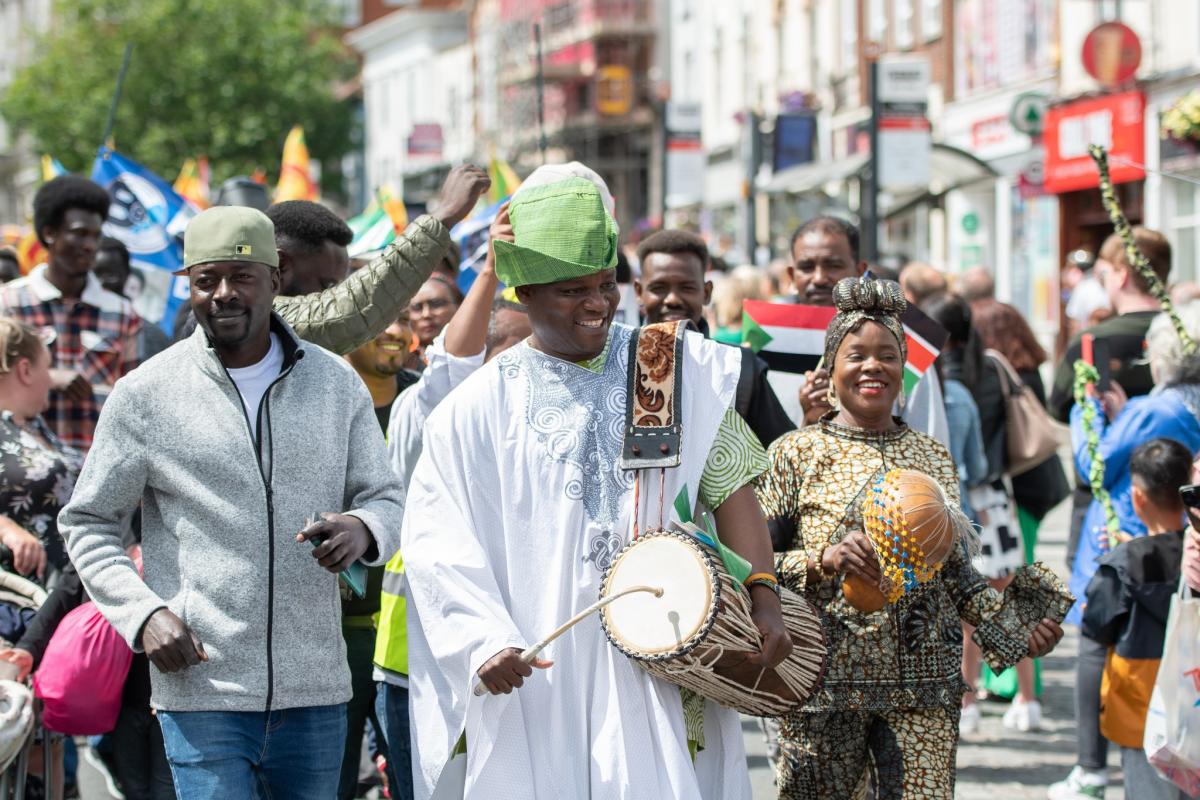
889 704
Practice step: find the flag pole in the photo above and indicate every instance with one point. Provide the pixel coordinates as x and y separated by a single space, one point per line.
541 91
112 109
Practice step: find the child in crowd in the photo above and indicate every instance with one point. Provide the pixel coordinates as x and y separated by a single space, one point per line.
1127 604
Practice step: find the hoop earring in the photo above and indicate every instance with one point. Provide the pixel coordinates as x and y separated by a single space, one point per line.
831 397
902 400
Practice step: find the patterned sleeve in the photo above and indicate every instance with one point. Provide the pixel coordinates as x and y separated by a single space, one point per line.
1005 620
735 460
778 491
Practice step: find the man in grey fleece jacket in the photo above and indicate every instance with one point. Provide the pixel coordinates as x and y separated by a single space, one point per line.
231 439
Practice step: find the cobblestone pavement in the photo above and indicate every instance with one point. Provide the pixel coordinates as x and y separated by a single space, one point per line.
996 763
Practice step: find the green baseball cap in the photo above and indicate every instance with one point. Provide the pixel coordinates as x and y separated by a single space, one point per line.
562 231
229 233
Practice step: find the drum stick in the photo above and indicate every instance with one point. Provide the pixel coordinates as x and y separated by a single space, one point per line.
533 652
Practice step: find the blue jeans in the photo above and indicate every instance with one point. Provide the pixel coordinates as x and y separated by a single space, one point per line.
391 707
294 754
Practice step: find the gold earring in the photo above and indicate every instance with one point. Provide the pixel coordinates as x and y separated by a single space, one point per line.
831 397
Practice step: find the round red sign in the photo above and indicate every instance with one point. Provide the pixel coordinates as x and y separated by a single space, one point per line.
1112 53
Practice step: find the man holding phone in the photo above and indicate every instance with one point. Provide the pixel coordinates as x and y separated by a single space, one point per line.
1119 341
229 439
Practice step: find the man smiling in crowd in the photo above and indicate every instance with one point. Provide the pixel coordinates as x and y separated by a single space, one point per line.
231 440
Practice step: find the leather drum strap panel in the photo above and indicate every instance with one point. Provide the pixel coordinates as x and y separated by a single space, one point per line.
654 409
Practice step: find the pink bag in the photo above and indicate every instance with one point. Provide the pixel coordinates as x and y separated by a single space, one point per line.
82 674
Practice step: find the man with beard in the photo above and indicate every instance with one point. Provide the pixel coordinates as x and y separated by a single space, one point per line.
672 287
93 334
234 442
380 363
518 506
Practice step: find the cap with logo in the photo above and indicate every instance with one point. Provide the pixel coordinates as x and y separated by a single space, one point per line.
229 233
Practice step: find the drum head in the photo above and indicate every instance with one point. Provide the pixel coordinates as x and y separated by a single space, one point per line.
647 627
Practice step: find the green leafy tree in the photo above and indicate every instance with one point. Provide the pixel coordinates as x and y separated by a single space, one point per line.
207 77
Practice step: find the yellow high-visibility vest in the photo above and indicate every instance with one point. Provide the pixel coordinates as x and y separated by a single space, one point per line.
391 641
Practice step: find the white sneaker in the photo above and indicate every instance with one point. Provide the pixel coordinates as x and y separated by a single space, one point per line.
1081 784
1023 716
968 723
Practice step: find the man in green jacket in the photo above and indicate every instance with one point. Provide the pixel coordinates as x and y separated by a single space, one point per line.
344 317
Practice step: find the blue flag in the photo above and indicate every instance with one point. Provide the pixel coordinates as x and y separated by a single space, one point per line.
471 235
148 216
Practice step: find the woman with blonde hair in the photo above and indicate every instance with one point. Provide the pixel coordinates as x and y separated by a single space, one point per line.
37 471
744 283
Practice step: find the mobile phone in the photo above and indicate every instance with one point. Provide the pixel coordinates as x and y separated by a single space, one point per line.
1095 352
354 576
1190 495
1103 364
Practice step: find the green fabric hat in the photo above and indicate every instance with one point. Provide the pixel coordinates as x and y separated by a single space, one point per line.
229 233
562 231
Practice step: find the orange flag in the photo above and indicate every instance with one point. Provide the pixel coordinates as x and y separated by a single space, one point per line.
394 206
30 252
295 178
192 183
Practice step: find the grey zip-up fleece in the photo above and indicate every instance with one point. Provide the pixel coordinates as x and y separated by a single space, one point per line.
219 523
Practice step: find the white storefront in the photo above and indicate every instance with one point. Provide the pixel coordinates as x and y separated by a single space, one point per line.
1006 223
418 96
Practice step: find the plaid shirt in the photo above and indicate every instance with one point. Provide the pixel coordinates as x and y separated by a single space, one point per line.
96 336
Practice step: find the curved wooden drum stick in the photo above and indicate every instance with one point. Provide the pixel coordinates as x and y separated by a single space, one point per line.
529 654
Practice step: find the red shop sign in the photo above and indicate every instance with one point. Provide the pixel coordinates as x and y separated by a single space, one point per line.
1115 121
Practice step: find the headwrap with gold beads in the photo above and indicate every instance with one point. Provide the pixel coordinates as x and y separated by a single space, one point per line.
859 300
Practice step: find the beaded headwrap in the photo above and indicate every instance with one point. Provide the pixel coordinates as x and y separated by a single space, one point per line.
859 300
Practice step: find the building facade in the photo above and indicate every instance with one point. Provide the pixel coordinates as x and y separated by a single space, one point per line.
418 96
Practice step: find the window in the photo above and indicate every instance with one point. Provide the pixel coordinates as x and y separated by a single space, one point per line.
931 19
848 14
902 23
1185 232
877 22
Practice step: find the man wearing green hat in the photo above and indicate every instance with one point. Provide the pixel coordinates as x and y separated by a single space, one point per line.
262 474
518 506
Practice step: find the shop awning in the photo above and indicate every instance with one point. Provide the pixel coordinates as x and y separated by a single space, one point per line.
949 167
807 177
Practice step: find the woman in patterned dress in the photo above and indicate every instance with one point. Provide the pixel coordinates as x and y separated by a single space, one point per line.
37 471
889 704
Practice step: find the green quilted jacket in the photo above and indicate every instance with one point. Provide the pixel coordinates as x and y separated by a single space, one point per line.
346 316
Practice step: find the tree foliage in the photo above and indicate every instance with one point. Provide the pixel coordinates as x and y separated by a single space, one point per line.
221 78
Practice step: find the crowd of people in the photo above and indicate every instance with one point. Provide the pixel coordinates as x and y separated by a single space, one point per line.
330 512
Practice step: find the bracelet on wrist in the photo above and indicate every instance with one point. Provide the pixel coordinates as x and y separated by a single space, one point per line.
762 579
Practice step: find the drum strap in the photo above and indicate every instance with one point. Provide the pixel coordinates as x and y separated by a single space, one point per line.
654 409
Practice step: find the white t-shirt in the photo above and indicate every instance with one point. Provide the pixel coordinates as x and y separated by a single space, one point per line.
252 381
1088 297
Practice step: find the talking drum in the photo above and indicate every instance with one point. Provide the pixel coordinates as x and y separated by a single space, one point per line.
913 528
697 632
